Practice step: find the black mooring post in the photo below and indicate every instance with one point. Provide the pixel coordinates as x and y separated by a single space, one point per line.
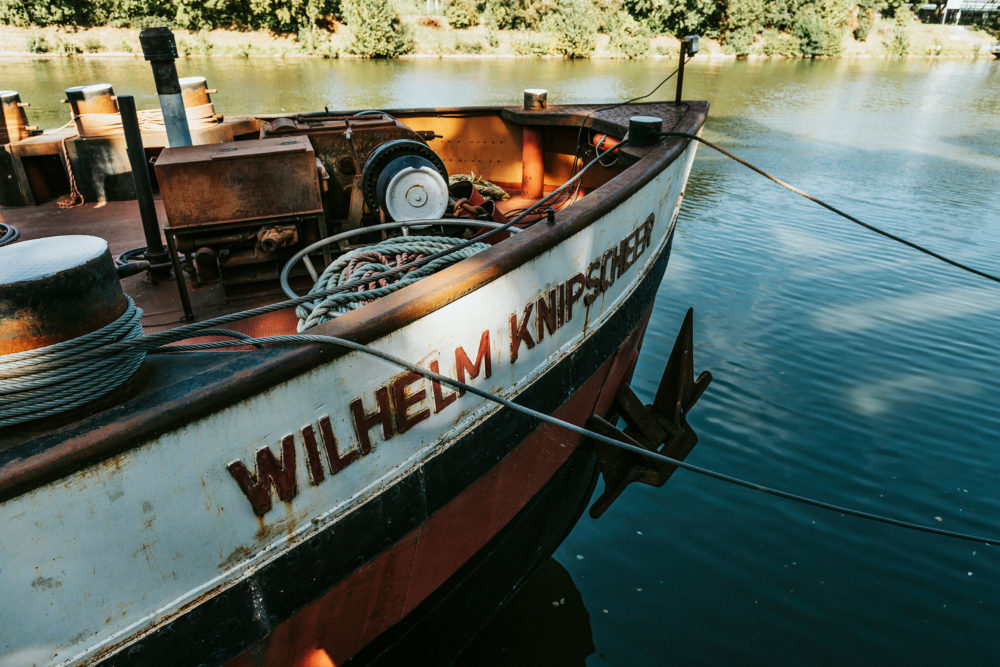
160 49
689 45
156 254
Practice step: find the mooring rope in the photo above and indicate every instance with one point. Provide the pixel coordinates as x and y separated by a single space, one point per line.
50 380
371 263
579 430
830 207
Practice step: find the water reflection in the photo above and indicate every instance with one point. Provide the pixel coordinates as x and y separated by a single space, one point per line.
546 623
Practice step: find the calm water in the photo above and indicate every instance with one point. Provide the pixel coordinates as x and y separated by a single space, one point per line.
847 368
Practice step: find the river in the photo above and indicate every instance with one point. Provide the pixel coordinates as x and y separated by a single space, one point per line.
847 368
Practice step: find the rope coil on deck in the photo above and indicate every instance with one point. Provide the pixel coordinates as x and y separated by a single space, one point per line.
8 233
51 380
371 261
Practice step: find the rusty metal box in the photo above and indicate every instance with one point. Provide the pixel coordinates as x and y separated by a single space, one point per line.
238 180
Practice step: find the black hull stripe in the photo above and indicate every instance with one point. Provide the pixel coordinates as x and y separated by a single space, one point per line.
223 626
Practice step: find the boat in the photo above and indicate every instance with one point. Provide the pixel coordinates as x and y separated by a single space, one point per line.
302 503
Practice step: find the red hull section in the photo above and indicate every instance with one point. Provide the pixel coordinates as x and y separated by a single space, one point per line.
381 593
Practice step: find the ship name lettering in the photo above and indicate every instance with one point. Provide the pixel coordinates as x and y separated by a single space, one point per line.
544 315
404 401
392 409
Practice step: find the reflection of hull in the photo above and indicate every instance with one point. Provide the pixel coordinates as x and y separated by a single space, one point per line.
291 505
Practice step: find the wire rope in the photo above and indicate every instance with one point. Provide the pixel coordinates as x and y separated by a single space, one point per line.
830 207
706 472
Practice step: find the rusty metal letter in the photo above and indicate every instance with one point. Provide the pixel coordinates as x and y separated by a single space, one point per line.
363 422
257 488
462 363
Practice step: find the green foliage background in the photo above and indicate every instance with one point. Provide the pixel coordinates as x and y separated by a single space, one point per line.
807 28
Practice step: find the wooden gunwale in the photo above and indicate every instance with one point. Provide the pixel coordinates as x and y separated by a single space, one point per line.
173 389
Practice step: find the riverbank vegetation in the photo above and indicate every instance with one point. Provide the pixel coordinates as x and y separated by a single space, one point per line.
567 28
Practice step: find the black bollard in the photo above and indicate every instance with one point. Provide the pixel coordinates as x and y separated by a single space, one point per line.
155 254
160 50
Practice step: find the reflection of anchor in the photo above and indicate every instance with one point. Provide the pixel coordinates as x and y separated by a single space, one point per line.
661 427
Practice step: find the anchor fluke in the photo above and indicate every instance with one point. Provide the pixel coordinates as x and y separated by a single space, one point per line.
660 427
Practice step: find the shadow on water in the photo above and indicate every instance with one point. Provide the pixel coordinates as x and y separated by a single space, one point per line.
545 623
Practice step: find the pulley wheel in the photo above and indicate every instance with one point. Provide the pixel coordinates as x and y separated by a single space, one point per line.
410 188
380 158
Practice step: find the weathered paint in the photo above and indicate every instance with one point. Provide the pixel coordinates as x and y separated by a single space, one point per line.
184 528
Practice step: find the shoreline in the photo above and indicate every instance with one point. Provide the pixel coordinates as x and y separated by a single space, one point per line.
927 41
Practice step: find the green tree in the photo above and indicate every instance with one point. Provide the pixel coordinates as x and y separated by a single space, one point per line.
376 30
629 37
744 21
500 15
899 41
575 28
25 13
679 17
780 14
866 18
461 13
819 27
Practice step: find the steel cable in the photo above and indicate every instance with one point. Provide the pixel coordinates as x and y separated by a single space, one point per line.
50 380
456 384
830 207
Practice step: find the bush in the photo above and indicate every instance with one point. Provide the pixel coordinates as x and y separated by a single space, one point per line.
628 36
666 49
432 22
866 18
38 44
461 13
575 28
809 30
746 16
899 41
818 30
462 46
492 39
376 31
531 45
70 48
93 45
500 15
739 42
198 46
532 13
780 44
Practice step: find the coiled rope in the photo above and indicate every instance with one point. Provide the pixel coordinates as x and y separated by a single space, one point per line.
50 380
371 262
8 233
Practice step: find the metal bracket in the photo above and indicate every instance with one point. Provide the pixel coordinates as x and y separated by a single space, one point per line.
660 427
